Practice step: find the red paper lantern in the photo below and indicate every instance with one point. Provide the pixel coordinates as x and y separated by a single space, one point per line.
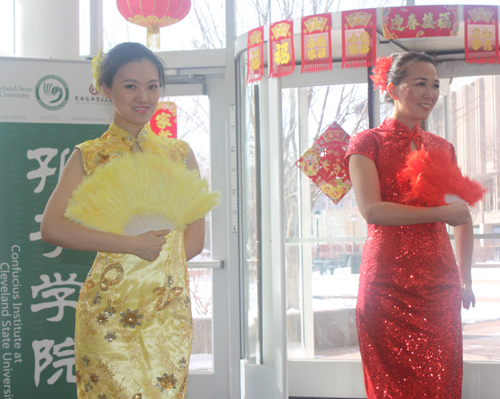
153 15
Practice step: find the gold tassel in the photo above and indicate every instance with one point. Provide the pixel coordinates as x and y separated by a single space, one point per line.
153 37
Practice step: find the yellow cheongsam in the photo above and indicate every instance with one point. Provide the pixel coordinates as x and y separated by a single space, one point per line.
133 320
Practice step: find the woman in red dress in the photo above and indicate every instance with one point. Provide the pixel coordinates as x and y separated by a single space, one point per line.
410 290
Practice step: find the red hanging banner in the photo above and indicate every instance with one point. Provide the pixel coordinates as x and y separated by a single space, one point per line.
164 120
481 34
316 38
359 39
255 55
420 21
281 51
323 163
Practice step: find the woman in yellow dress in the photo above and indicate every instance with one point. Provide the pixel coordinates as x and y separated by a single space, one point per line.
133 319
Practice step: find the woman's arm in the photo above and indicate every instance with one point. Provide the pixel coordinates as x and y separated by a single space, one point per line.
365 180
58 230
194 235
464 246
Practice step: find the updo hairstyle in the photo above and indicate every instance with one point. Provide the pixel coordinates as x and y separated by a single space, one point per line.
124 53
399 67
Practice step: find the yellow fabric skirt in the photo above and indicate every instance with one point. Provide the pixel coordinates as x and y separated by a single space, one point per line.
134 327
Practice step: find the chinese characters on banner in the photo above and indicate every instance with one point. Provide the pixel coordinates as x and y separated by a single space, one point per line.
255 55
53 354
316 39
323 163
40 281
281 51
418 21
44 156
164 120
481 34
359 38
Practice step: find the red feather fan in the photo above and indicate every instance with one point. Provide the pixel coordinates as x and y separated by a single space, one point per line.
437 180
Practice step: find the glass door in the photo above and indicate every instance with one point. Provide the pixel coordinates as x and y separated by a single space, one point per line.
320 243
200 121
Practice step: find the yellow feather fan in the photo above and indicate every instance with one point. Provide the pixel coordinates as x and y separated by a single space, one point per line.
132 195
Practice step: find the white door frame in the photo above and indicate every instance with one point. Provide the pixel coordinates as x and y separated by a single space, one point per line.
208 78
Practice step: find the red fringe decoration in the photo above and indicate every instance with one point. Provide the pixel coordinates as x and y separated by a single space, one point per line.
433 174
316 68
482 60
357 64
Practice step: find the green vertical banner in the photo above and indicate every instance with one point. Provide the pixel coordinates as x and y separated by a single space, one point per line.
46 108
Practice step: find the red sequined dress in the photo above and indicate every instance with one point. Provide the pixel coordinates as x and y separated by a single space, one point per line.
409 299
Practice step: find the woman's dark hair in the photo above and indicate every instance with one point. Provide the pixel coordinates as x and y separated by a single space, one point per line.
124 53
399 67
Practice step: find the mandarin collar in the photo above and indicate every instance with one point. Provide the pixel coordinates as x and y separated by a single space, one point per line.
394 127
117 130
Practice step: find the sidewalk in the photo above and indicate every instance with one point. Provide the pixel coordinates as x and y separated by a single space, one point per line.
482 341
481 344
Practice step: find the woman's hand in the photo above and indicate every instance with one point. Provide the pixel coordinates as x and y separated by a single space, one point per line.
455 214
149 245
468 297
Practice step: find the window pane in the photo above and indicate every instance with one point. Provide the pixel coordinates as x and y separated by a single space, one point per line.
7 27
84 27
200 287
481 325
251 14
324 240
202 28
193 126
475 132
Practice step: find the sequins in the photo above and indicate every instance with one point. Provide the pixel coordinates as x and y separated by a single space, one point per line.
110 336
166 382
85 361
109 311
94 378
96 299
102 318
182 363
408 308
137 396
170 281
130 318
101 158
88 387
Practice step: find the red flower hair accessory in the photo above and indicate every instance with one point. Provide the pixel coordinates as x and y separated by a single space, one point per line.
379 77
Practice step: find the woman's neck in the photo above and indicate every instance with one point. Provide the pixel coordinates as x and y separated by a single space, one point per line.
410 123
132 130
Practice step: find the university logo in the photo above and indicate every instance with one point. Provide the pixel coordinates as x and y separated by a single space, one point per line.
52 92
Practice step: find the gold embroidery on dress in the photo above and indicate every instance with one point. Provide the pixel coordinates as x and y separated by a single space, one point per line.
118 276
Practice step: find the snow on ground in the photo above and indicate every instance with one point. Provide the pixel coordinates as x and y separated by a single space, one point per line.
339 291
